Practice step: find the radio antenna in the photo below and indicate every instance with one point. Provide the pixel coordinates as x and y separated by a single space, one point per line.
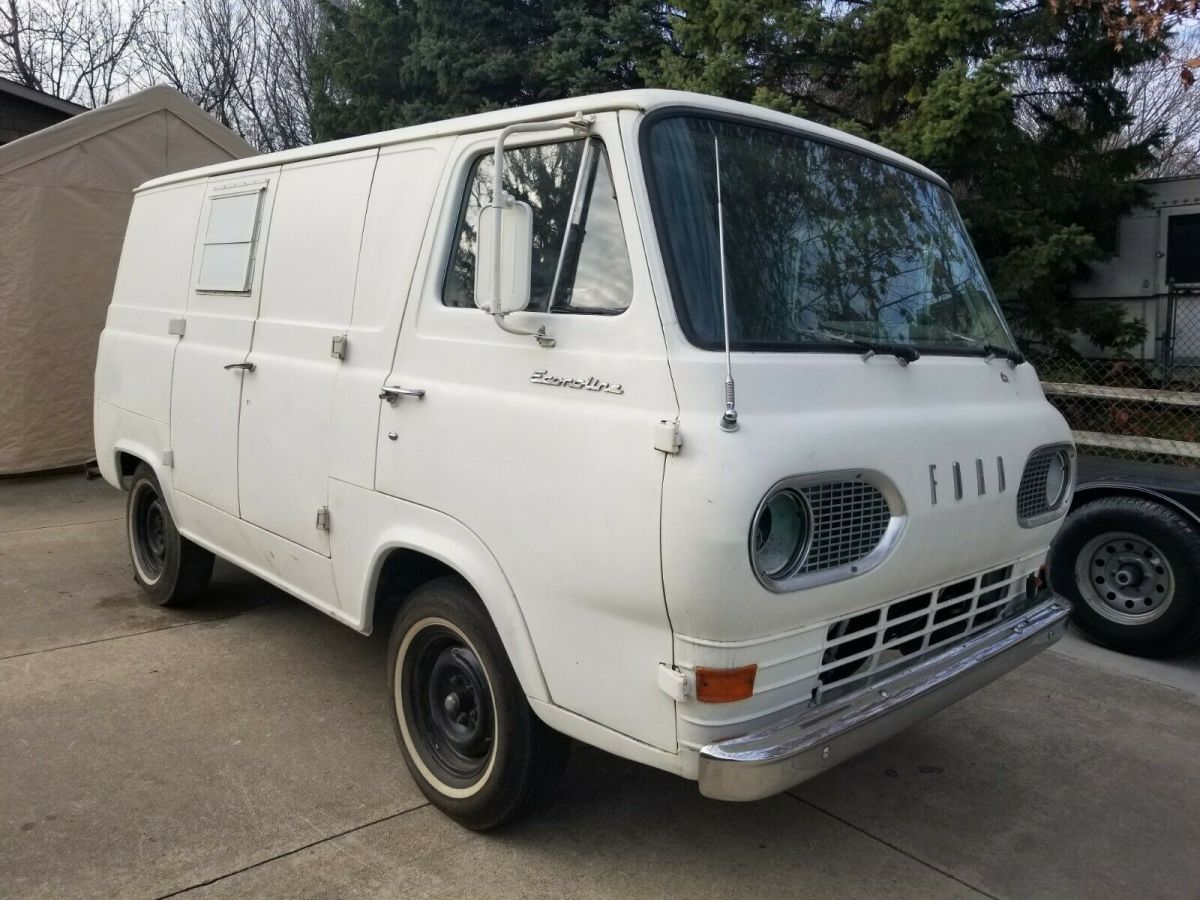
729 419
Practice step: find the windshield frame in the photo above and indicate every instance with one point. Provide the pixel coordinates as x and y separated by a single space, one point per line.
682 313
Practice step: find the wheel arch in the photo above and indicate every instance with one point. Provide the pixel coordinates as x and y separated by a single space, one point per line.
404 560
127 455
126 463
1101 490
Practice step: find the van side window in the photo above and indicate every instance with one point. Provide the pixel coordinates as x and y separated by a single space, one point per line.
227 257
580 264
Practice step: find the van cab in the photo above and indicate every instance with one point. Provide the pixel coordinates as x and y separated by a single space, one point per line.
702 440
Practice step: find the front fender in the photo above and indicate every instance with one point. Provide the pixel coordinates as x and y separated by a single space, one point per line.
369 526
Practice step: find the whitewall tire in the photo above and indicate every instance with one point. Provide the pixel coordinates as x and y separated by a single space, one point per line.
468 736
166 565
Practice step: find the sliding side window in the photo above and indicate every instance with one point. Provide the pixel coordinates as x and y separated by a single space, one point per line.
580 264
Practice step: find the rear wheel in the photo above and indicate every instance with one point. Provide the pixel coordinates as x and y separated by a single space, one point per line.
475 748
167 566
1132 569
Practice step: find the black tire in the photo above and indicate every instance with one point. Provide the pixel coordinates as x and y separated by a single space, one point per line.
1131 568
167 566
473 745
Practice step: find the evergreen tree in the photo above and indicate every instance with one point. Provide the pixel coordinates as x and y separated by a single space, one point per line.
358 72
388 63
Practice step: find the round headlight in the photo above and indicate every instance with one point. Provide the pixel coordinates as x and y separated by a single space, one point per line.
780 533
1057 475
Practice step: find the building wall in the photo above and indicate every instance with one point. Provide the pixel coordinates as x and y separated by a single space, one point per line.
19 117
1136 276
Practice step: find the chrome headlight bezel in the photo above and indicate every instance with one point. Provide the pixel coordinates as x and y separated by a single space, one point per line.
1059 453
765 515
1058 479
791 578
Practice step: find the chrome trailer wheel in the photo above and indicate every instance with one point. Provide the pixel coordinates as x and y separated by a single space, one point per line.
1125 577
1131 568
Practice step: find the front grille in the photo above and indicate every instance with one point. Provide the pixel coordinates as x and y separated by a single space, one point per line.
862 648
849 519
1031 497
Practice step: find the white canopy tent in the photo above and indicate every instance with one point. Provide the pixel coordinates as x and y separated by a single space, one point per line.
65 195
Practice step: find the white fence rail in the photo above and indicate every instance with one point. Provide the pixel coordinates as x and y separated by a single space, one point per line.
1134 414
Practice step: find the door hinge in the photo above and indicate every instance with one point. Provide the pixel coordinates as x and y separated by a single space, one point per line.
339 346
177 326
323 519
667 437
672 682
168 458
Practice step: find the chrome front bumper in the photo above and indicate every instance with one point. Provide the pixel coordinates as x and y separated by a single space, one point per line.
769 761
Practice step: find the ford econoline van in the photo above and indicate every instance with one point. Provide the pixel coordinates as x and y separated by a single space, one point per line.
684 428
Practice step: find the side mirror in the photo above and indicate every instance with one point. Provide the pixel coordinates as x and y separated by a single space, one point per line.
505 249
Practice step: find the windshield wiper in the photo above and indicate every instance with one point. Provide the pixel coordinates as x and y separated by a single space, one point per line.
1016 357
991 351
903 352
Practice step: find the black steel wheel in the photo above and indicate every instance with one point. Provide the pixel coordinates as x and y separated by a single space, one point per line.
148 531
1131 569
167 566
465 728
448 701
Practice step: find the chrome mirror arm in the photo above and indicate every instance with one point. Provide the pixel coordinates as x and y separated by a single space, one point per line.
579 123
543 339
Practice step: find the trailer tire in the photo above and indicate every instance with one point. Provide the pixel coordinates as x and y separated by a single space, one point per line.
472 743
1131 567
166 565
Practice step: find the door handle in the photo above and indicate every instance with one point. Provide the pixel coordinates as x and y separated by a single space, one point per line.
393 392
244 366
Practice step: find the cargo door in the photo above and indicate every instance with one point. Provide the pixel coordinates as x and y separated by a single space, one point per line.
299 347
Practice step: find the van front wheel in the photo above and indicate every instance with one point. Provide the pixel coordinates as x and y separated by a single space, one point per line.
475 748
167 566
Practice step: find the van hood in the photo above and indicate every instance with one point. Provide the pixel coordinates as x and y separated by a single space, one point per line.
802 414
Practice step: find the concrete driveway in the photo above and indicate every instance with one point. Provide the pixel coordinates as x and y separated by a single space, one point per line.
243 749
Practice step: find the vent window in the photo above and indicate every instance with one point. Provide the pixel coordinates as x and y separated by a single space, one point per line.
227 254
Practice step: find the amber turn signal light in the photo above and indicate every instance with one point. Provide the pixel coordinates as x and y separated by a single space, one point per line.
724 685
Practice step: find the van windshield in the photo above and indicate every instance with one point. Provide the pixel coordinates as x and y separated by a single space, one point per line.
823 245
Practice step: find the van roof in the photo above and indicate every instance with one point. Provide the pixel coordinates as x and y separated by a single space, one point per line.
641 100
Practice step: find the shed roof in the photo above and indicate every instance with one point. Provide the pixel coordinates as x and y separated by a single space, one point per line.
41 144
41 98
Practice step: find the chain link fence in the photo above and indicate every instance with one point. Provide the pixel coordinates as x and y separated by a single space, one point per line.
1145 410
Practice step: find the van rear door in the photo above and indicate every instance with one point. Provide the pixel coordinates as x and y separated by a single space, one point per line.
206 387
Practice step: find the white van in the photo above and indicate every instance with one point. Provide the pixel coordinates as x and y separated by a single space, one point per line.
705 443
